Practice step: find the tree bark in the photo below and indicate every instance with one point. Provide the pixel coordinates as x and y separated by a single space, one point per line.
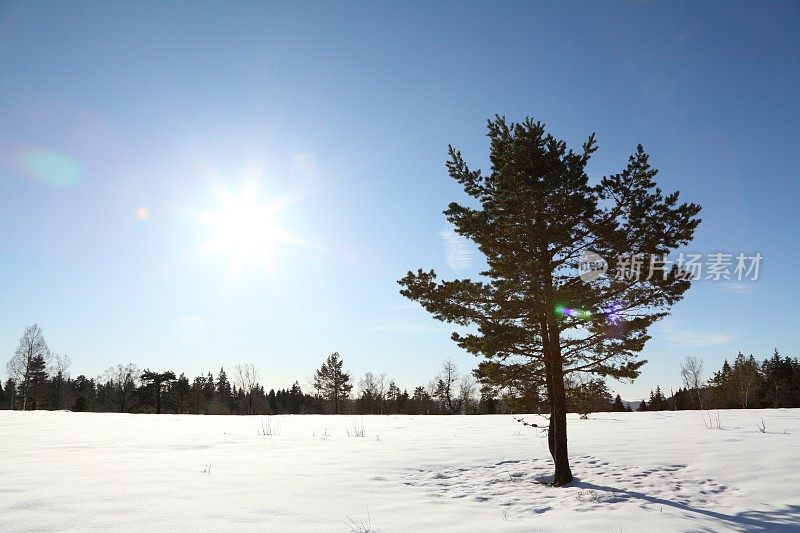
558 425
25 381
548 381
557 431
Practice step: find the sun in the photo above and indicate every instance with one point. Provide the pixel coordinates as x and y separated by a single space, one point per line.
245 230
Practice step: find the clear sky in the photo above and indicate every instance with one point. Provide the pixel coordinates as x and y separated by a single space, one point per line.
137 139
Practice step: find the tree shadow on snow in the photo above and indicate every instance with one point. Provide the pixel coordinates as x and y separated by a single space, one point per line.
777 520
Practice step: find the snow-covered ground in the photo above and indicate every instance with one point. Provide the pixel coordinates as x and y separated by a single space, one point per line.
634 472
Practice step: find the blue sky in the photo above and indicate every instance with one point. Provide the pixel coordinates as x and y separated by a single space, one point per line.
121 124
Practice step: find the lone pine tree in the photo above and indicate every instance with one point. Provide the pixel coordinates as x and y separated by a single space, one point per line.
158 381
332 382
535 214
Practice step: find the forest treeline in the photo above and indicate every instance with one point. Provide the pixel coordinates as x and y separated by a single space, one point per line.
746 384
40 379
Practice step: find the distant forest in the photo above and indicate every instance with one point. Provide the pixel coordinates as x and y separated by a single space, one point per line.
40 379
745 384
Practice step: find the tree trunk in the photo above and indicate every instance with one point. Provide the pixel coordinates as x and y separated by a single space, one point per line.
548 381
557 431
25 384
558 425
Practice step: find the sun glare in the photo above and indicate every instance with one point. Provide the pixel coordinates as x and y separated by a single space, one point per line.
244 230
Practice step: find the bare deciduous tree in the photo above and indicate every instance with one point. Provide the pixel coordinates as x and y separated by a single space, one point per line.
445 382
31 353
745 378
124 380
246 378
381 386
692 376
467 392
370 390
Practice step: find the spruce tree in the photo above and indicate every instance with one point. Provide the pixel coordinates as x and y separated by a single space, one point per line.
658 401
723 386
536 215
85 394
11 389
332 382
27 365
295 398
272 402
392 398
208 389
223 385
37 379
180 393
57 384
618 406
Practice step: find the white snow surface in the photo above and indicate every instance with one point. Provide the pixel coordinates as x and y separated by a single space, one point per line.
664 471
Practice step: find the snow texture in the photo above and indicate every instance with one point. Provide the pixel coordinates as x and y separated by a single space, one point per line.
661 471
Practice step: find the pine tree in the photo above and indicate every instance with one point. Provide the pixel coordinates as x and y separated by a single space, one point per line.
537 215
180 392
618 406
333 383
421 401
404 403
589 397
487 403
521 386
209 389
158 381
85 394
392 398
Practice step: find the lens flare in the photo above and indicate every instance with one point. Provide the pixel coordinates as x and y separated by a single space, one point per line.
575 313
613 313
50 167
